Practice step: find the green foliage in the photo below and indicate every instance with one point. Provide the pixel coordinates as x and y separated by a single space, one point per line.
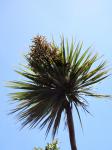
56 76
51 146
37 148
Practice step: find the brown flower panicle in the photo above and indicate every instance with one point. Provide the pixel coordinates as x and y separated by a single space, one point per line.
42 51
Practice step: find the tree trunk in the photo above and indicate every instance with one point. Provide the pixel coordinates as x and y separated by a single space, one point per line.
71 128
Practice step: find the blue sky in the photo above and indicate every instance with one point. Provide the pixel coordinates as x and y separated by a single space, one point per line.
85 20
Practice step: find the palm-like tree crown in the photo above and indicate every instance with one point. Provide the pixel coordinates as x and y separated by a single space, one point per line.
58 77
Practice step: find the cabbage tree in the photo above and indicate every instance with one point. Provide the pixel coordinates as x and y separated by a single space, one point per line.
57 79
